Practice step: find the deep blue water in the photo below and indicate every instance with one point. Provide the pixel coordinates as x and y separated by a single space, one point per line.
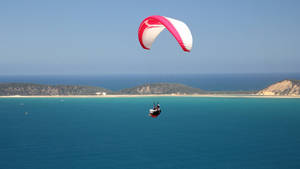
215 82
93 133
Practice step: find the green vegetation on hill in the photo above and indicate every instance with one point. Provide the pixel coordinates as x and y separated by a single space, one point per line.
28 89
162 88
295 82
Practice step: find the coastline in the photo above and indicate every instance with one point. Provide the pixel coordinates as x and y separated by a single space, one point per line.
158 95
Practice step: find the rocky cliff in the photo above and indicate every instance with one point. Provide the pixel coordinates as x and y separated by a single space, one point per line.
282 88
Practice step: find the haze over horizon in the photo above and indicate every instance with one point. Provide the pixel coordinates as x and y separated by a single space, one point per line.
93 37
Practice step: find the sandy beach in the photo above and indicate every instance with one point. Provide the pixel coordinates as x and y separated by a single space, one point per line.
159 95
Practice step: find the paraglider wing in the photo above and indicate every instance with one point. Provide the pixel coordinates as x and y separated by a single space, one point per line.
151 27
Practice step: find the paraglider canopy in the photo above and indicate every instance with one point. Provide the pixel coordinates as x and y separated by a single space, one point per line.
151 27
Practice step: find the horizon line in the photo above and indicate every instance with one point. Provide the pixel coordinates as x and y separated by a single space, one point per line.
160 74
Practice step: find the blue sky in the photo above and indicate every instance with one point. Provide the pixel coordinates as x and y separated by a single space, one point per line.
100 37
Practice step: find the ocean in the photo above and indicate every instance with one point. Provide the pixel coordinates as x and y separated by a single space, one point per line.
191 132
210 82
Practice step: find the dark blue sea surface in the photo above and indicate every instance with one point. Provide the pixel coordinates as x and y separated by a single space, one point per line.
212 82
93 133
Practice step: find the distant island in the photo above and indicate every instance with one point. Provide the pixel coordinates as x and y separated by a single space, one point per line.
282 88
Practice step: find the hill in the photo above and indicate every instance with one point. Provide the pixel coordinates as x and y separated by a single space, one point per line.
28 89
282 88
162 88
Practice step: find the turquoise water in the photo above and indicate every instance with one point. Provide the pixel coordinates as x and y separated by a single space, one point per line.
93 133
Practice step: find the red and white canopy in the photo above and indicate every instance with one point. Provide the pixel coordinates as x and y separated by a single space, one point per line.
151 27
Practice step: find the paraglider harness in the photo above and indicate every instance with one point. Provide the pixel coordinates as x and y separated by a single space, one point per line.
156 111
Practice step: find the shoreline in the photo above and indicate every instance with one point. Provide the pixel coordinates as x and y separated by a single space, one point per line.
158 95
